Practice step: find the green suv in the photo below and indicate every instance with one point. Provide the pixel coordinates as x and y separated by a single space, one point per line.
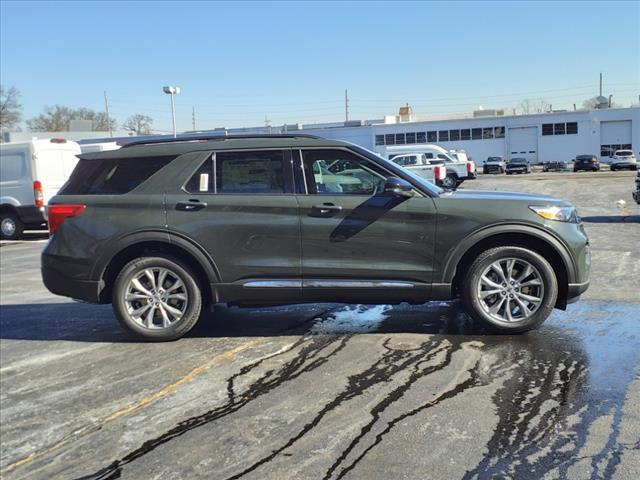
164 229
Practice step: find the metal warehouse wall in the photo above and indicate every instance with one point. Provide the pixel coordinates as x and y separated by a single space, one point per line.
549 147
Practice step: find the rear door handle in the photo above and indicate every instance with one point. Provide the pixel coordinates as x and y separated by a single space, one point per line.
325 210
190 206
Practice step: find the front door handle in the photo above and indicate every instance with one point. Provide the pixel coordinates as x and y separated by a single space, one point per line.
325 210
190 206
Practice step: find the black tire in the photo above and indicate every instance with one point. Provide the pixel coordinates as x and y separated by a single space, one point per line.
613 169
11 227
158 334
473 304
450 182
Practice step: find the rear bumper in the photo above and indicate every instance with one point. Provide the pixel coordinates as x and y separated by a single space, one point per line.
59 283
31 215
629 165
576 289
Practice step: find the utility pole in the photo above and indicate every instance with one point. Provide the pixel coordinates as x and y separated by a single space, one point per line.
106 107
267 124
600 83
346 105
193 118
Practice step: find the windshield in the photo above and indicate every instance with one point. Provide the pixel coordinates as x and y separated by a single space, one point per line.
430 187
624 153
585 158
494 159
518 160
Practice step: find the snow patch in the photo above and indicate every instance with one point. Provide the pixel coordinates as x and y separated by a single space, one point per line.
352 319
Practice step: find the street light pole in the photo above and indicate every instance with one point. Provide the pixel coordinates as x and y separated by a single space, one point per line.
173 91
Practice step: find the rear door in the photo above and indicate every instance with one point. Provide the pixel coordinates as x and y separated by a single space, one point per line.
240 207
356 240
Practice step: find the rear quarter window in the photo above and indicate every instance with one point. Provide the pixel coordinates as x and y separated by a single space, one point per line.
112 176
13 166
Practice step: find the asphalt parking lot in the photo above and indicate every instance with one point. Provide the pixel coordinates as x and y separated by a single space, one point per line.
333 391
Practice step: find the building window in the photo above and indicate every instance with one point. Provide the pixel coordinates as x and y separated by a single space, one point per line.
498 132
400 139
432 137
379 139
443 135
572 128
421 137
547 129
411 137
476 134
454 135
390 139
465 134
558 128
487 133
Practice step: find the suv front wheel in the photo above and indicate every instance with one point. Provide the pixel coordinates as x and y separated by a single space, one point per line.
157 298
510 289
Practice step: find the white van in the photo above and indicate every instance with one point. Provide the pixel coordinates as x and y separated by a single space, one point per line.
31 173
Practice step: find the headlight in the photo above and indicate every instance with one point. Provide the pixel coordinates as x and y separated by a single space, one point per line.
555 212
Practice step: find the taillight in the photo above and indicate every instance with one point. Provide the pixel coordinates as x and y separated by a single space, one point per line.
38 197
439 172
469 167
59 213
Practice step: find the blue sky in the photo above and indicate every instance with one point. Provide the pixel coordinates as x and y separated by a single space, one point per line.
237 62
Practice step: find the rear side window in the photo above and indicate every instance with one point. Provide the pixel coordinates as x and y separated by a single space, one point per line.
250 172
112 176
13 166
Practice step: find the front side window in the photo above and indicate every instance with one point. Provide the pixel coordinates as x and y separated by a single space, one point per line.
340 172
250 172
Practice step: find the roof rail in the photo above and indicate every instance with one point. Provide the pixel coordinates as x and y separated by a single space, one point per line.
203 138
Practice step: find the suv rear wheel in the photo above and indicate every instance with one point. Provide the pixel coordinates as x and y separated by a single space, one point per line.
510 289
157 298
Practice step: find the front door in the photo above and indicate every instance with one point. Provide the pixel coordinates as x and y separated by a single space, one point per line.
357 240
240 207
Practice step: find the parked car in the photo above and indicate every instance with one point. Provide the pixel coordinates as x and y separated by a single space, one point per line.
457 170
636 192
586 162
164 229
554 166
435 172
494 165
31 173
518 165
623 160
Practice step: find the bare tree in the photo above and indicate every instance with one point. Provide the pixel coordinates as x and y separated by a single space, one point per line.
528 106
10 107
58 118
138 124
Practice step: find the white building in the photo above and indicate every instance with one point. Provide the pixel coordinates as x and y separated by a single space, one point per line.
540 137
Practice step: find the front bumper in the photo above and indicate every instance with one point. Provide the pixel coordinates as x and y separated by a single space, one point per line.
575 290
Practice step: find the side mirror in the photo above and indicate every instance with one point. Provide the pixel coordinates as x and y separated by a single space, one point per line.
399 187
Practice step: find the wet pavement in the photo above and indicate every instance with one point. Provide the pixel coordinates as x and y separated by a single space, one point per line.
323 391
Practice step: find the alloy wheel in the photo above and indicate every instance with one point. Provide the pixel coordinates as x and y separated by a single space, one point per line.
156 298
510 290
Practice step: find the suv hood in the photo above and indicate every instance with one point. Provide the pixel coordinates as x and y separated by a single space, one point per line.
483 195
